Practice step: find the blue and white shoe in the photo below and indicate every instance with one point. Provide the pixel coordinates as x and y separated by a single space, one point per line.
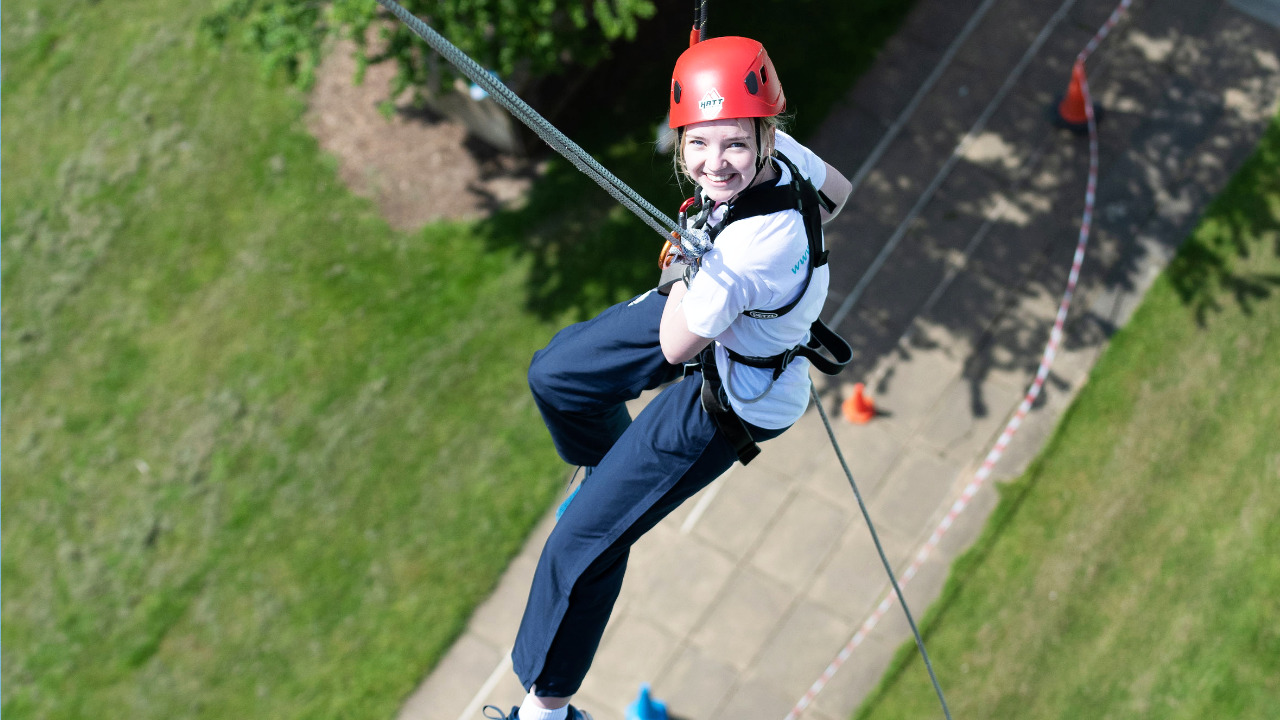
586 475
574 713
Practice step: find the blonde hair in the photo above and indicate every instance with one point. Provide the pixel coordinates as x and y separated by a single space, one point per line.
763 125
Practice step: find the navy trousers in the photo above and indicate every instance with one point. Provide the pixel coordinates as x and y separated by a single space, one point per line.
644 469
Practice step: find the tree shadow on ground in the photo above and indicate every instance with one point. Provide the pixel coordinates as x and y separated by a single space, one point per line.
1237 225
1169 146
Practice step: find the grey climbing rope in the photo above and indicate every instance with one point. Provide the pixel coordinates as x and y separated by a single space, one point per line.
875 537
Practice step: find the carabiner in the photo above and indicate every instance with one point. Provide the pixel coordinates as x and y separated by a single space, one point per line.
666 256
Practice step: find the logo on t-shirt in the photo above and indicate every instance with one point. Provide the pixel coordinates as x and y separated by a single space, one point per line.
800 263
711 104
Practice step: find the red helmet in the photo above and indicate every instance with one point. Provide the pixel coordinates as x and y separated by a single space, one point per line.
724 77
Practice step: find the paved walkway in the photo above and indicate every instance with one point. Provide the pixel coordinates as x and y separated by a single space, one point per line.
948 265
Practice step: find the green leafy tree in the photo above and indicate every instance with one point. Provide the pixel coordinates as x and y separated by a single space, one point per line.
518 39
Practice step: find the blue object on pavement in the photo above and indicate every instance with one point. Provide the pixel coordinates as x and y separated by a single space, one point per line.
646 708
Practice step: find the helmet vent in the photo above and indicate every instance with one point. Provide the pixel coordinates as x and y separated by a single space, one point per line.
675 91
753 85
764 76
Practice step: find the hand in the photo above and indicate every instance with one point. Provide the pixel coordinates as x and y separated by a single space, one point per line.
694 243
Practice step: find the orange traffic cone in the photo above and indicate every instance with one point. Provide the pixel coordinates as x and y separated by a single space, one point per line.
1069 111
858 408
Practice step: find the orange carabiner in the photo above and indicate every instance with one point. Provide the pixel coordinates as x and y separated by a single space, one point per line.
666 256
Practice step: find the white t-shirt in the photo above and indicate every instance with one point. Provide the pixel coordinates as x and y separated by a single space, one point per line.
760 263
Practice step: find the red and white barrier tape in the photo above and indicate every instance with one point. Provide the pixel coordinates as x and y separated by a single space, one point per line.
1033 393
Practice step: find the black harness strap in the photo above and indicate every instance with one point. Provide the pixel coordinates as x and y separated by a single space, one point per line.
721 412
820 337
769 198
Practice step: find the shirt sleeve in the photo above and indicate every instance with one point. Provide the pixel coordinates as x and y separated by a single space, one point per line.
810 165
717 294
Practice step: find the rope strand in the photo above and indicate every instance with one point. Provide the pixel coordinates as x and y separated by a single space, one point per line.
884 559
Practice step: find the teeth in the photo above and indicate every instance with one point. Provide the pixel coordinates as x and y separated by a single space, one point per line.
718 178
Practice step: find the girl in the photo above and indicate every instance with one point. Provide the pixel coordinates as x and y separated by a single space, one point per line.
744 307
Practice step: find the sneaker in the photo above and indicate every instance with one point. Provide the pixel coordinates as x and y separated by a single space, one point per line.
586 475
574 714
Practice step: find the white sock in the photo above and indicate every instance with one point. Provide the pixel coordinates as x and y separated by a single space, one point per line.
531 710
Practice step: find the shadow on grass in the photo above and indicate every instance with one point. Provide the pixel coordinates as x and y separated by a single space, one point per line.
1204 272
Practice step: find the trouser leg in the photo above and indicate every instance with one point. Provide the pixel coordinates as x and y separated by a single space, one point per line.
669 453
583 378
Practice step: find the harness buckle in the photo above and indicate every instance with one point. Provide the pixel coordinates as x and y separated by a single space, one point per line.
787 356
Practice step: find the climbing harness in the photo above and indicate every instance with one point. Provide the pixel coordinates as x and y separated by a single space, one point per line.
764 199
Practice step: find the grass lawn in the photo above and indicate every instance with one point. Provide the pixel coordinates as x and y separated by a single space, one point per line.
1134 570
262 455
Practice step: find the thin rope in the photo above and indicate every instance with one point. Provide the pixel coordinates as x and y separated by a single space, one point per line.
558 141
700 19
875 537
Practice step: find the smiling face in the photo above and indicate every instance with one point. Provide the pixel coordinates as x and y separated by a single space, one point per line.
720 155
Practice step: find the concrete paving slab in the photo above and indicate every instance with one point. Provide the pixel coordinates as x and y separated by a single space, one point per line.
963 424
911 386
853 246
754 701
807 638
846 689
935 22
505 695
450 688
634 651
1002 38
869 450
790 458
949 113
497 620
974 194
804 532
916 491
851 583
905 62
744 618
969 524
901 287
742 511
963 314
695 685
679 583
849 143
